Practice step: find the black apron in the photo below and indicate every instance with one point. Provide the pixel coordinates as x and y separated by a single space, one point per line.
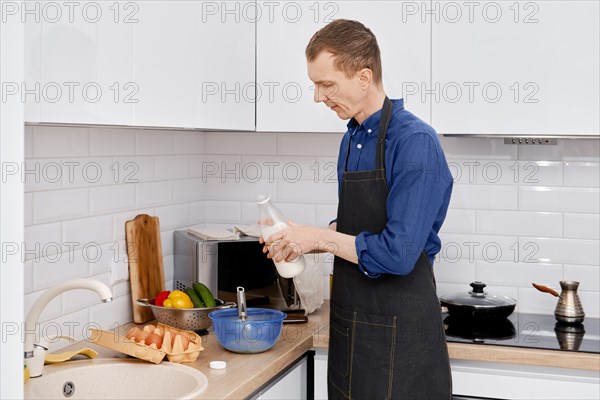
386 334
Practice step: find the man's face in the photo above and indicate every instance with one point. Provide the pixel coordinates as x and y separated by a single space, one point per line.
332 87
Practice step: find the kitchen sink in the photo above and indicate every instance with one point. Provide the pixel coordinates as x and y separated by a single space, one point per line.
120 378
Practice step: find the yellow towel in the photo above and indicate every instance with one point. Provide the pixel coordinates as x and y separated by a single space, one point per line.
67 355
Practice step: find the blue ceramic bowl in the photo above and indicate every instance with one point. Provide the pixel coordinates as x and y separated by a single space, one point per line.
258 333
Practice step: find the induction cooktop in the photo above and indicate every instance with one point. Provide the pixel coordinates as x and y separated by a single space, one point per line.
527 330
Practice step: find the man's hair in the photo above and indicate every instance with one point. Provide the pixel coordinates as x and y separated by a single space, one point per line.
352 44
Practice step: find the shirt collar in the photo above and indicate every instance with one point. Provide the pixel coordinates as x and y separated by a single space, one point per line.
371 124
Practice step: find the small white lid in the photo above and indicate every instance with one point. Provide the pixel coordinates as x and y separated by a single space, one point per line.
218 364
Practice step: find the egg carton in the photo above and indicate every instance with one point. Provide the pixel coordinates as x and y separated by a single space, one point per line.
173 350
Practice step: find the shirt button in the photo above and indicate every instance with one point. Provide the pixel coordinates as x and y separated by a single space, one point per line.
359 146
369 130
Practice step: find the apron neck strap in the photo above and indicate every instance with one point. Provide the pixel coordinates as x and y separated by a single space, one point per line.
384 122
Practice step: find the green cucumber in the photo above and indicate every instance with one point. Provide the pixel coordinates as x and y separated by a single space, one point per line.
195 298
205 294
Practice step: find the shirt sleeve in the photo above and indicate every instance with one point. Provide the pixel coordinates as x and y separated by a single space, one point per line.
418 184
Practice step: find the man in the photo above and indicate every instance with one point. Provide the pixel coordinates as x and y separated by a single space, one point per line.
386 334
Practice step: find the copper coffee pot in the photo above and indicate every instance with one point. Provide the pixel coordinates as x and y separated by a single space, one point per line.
568 309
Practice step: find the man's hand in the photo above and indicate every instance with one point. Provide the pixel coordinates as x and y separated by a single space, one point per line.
289 243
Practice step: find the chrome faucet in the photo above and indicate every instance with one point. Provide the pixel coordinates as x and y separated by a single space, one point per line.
35 351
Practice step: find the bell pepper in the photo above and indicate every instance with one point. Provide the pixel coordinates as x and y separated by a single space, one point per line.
178 299
161 297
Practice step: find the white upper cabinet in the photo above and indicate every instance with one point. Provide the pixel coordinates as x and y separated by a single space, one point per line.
144 63
78 62
193 60
516 67
285 95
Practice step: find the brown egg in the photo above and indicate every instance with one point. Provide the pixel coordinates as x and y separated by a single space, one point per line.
131 332
141 336
153 338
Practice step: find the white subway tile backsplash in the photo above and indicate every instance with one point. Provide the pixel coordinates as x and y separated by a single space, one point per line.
42 174
88 231
172 167
561 251
491 248
325 214
307 192
53 270
153 194
168 267
133 169
166 240
197 213
290 169
42 240
223 167
582 226
83 172
110 315
107 199
58 205
112 141
540 173
590 301
486 197
102 259
28 209
154 142
188 190
588 276
188 143
460 221
461 271
215 189
523 222
531 301
196 166
249 213
290 144
510 273
582 174
175 216
224 212
240 143
59 141
584 200
299 213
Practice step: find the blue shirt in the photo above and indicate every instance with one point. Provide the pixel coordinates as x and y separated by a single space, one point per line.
419 184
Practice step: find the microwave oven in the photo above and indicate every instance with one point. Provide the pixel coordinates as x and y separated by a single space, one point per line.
223 265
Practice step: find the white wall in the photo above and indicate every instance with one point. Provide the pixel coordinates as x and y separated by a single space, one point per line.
11 213
81 186
189 178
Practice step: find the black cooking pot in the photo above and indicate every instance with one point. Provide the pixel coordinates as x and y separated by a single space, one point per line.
479 330
478 304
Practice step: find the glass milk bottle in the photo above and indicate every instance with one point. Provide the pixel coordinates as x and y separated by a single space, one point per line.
272 220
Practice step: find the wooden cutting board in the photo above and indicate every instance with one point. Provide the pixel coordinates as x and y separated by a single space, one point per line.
146 274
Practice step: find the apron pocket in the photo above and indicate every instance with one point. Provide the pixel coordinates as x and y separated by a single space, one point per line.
372 360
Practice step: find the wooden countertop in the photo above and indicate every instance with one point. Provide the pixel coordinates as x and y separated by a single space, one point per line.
247 373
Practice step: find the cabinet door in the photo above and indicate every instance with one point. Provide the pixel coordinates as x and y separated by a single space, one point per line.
189 56
516 67
292 385
286 95
78 60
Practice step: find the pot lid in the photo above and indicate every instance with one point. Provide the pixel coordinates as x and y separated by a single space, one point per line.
477 298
